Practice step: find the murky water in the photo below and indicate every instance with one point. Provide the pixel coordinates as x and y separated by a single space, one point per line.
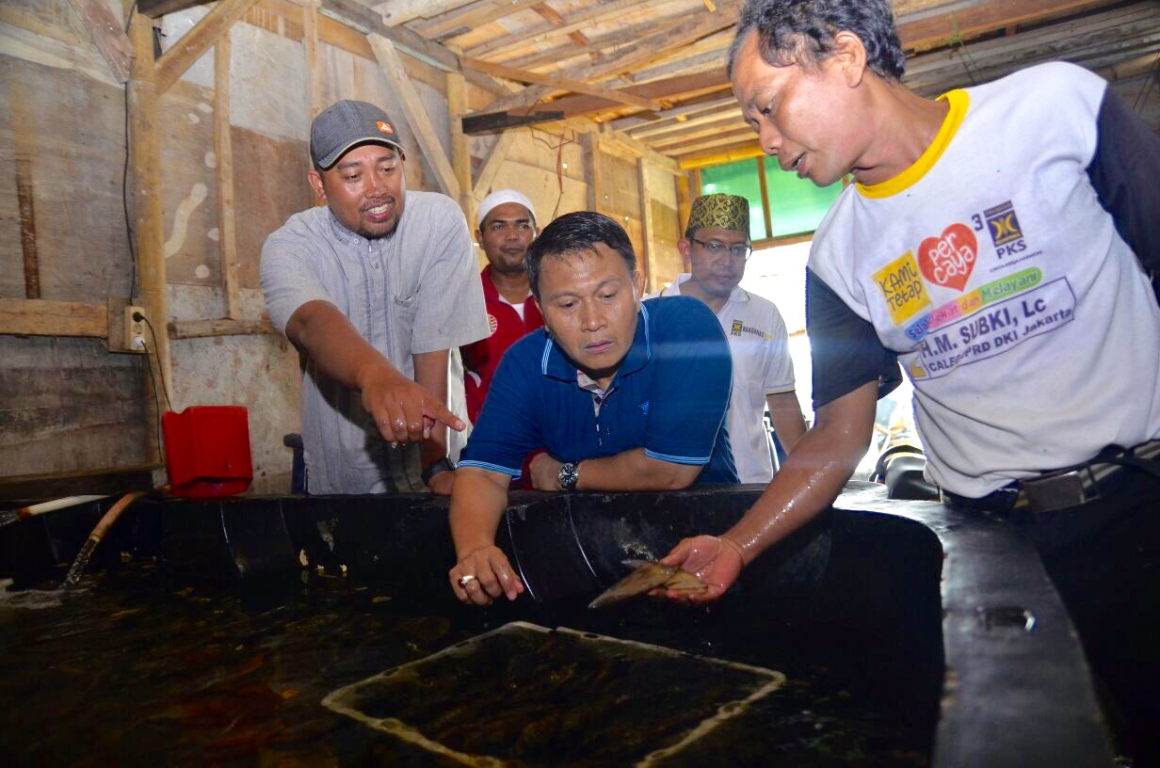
127 670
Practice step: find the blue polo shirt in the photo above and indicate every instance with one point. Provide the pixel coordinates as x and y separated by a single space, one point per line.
669 396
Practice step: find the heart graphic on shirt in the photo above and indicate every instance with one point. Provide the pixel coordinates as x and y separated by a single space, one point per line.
949 259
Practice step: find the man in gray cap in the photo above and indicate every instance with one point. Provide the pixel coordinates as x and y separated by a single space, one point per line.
374 288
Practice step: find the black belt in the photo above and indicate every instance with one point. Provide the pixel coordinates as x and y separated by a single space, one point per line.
1068 487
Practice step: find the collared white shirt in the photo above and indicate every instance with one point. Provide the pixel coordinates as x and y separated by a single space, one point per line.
759 343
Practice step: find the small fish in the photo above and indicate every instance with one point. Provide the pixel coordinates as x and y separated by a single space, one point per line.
645 577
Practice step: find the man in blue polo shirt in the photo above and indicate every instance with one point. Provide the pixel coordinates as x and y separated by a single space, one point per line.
622 395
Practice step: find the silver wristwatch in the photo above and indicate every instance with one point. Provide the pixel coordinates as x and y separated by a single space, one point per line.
569 475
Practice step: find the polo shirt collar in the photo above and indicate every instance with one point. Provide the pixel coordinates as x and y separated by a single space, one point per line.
341 232
738 294
490 292
556 365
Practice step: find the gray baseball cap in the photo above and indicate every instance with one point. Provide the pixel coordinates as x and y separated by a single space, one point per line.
344 124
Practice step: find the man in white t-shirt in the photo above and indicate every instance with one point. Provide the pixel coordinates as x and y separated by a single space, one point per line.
716 245
997 244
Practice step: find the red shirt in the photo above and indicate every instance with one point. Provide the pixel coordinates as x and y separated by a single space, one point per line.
481 359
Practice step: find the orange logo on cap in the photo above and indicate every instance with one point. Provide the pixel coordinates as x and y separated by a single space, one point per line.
385 127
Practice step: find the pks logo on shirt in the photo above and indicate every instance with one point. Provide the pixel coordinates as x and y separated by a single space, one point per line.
1005 231
737 326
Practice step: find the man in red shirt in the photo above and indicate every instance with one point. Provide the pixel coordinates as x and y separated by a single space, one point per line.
507 226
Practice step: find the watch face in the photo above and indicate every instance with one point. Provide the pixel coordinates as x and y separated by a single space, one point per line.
568 476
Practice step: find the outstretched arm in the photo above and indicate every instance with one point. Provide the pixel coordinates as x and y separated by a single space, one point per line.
807 484
628 471
482 573
403 410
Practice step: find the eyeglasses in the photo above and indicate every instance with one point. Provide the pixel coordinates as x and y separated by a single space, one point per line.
715 248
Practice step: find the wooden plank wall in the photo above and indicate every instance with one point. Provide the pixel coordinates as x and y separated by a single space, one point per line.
664 258
70 405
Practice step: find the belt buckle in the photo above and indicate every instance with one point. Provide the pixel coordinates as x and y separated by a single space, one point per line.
1055 492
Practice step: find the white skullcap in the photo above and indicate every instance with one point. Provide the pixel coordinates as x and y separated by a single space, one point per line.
501 196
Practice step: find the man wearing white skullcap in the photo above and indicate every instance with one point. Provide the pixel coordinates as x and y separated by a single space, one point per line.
507 226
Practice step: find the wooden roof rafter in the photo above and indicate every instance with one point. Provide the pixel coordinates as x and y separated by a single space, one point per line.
561 83
603 44
690 107
675 88
653 131
396 12
577 20
691 30
455 23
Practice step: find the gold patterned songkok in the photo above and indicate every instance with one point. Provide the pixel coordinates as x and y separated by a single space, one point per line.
719 212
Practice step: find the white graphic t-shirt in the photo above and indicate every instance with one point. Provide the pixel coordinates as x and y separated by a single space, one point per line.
1024 320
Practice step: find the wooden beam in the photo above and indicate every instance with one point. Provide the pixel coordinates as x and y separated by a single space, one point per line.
646 223
34 317
196 42
25 202
408 41
649 133
224 149
713 140
501 121
575 106
560 83
604 42
579 19
685 63
107 34
468 17
148 226
767 215
314 65
690 30
721 155
590 142
492 164
1086 40
948 28
682 139
155 9
460 144
200 329
397 12
640 149
686 110
684 202
420 123
553 17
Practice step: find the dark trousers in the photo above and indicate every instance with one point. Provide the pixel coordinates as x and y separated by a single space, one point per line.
1104 559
